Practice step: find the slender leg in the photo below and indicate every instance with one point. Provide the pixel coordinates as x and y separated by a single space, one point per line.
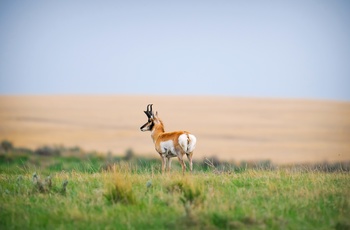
189 156
169 164
182 164
163 164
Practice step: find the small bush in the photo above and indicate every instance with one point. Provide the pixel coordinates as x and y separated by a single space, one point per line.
48 151
129 154
6 145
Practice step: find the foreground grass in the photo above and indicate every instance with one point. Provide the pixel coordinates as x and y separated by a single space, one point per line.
123 199
110 192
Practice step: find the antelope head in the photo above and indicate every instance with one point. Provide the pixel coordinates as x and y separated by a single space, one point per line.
150 123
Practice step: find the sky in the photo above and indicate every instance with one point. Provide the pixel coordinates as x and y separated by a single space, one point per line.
288 49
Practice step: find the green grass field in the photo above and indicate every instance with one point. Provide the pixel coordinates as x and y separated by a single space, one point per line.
134 194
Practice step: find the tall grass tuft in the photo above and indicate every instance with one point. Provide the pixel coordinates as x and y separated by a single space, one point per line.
63 190
120 191
190 194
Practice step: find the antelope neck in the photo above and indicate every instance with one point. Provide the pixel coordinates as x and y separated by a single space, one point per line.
157 131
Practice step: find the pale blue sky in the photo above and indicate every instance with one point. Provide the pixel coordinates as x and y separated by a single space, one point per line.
293 49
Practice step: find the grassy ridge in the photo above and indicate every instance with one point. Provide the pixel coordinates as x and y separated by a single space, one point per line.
130 193
60 158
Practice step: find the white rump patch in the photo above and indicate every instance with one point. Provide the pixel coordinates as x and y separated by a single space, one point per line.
187 145
192 145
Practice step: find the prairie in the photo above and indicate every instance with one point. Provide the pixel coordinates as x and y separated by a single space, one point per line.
273 164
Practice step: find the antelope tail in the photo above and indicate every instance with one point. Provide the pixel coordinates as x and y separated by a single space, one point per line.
188 142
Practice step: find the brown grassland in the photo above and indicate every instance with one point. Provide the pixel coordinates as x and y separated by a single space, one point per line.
281 130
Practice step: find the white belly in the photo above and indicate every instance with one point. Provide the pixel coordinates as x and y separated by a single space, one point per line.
167 148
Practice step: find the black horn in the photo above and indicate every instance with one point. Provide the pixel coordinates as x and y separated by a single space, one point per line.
149 112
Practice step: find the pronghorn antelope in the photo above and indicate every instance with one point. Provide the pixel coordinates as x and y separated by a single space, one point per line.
168 145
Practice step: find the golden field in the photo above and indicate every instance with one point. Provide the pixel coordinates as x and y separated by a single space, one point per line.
281 130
